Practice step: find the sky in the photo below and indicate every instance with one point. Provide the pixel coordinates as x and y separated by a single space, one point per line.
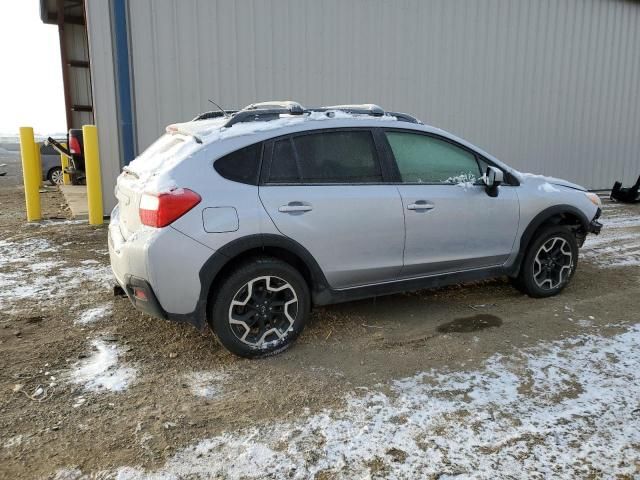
31 92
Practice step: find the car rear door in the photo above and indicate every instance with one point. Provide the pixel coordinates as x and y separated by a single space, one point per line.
451 223
326 190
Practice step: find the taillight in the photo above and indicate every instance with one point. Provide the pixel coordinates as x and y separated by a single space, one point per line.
161 210
74 146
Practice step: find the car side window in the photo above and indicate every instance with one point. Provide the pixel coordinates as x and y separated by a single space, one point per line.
427 159
283 164
347 156
241 166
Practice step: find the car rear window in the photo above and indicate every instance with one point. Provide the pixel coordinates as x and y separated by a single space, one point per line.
241 166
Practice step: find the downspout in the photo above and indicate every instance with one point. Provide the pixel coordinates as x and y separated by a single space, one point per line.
120 35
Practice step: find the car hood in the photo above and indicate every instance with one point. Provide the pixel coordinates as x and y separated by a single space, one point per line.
541 181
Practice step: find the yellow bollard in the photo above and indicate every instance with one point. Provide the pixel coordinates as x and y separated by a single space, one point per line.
39 159
30 174
92 171
64 161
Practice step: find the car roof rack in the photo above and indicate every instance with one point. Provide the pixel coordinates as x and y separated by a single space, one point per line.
405 117
265 111
272 110
294 108
362 109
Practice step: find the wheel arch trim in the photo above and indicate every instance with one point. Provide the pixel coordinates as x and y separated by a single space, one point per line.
537 221
237 248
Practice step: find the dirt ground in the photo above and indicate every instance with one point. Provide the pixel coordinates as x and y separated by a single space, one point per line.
181 386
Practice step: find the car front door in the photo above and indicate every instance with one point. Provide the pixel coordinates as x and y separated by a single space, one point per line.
326 190
452 224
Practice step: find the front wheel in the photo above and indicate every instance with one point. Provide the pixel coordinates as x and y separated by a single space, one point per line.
260 308
549 263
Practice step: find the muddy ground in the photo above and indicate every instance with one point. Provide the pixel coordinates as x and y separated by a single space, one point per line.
53 273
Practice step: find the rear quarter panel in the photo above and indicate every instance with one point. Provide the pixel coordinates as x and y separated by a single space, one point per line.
199 175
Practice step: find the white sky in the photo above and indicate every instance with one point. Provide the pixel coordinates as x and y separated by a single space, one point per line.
31 92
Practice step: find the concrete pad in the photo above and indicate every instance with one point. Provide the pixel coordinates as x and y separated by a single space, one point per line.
76 198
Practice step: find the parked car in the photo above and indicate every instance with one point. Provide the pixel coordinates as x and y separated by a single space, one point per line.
74 151
244 222
51 164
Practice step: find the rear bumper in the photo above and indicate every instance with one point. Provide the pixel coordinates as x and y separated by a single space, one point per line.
143 297
169 281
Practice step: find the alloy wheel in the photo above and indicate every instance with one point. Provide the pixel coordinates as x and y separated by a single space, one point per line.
263 311
57 177
553 263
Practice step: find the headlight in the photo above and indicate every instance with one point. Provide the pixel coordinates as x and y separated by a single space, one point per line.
595 199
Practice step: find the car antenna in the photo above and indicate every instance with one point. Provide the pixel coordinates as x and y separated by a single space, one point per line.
226 115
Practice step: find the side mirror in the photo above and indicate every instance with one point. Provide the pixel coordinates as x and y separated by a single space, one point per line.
493 178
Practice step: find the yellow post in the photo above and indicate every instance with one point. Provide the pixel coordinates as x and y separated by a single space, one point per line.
36 151
92 172
64 161
30 173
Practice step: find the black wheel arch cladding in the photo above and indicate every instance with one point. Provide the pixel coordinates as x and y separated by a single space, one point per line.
556 211
265 244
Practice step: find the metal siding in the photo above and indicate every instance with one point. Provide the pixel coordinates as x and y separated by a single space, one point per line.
547 86
104 95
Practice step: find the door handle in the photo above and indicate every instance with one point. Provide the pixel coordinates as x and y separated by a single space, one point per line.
421 205
295 207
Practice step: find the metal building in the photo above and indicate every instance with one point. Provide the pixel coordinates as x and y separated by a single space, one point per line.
549 87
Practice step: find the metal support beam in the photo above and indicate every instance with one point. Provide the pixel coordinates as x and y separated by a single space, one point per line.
123 80
63 56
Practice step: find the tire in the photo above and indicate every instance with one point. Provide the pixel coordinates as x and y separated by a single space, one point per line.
549 264
55 176
260 308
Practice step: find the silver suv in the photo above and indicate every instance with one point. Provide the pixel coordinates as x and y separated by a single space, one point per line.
242 221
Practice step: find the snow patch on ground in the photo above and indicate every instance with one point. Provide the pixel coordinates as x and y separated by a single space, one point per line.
620 221
564 409
49 222
29 270
12 442
101 371
94 314
206 384
618 245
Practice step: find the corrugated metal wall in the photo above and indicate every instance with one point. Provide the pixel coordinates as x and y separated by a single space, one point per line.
98 15
79 78
547 86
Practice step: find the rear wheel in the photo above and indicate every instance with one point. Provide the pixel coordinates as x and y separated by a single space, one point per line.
260 308
55 176
549 263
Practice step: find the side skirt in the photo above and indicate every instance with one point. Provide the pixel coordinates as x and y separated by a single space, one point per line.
330 296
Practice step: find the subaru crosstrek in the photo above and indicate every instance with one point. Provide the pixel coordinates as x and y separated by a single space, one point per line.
243 221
